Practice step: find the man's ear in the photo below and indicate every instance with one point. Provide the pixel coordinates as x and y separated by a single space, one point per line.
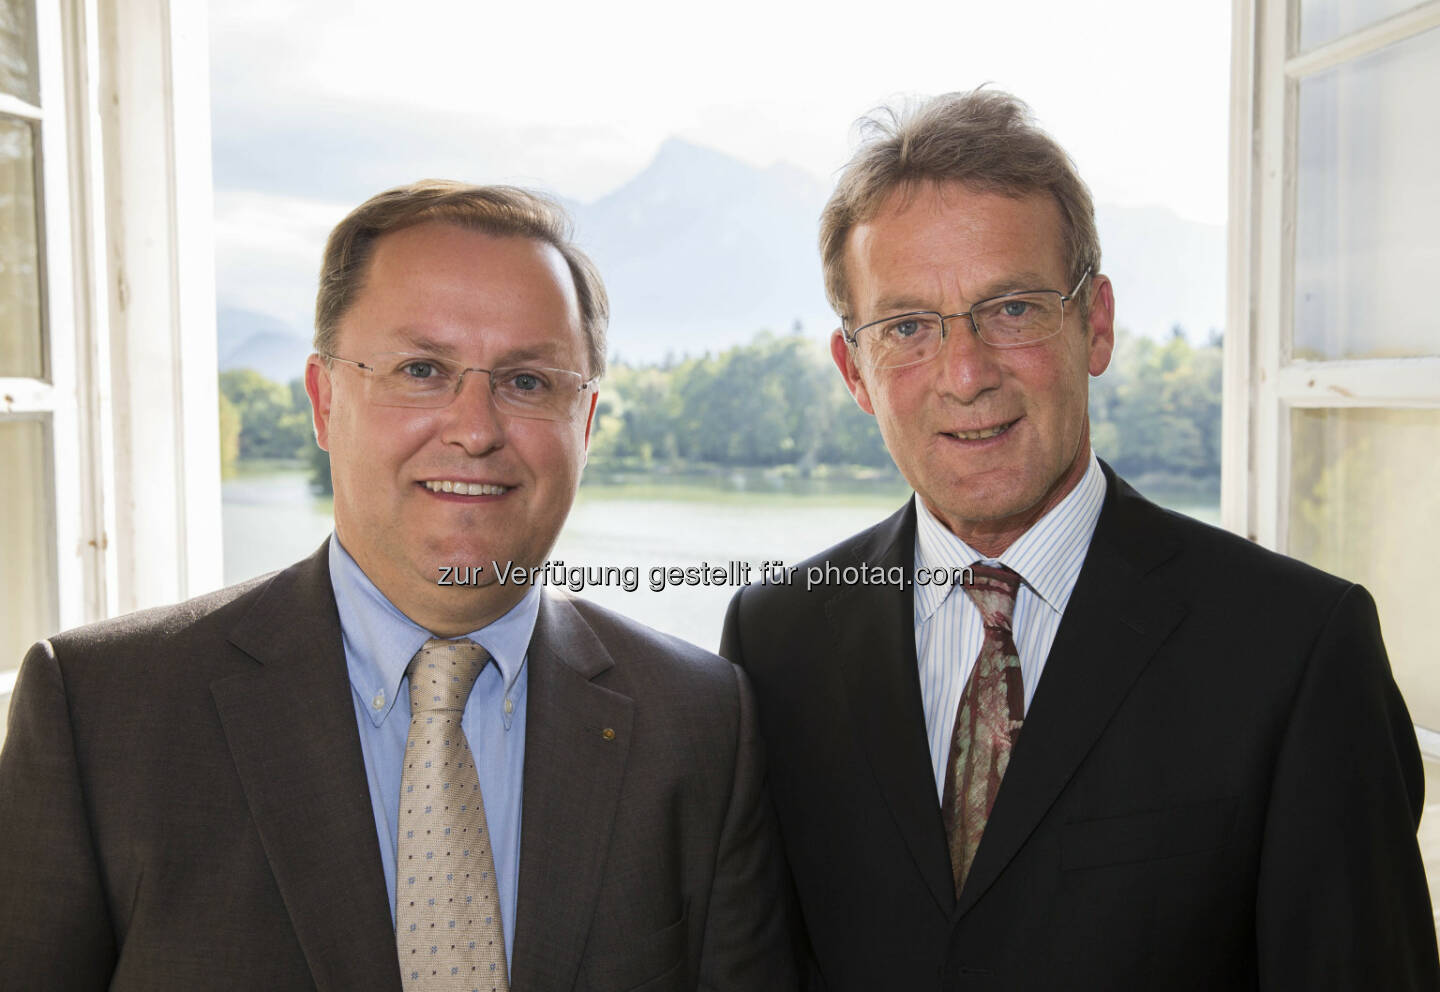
1101 323
844 357
590 420
317 387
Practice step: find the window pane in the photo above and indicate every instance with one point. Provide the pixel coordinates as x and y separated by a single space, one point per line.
27 571
1429 833
1368 205
1362 505
20 343
1326 20
17 50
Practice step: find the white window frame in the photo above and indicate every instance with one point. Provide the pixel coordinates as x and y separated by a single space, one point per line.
1263 380
152 102
52 398
128 306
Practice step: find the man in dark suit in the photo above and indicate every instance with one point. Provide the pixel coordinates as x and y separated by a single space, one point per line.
272 787
1032 731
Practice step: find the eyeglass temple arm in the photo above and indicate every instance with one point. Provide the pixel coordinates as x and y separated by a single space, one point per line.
348 361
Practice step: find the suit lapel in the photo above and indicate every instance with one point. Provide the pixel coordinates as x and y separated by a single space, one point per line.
1112 626
874 629
290 724
576 740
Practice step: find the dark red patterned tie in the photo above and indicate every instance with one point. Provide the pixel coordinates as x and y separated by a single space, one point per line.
987 724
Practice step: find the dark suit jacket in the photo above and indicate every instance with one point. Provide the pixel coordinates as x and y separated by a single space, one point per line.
1216 786
185 807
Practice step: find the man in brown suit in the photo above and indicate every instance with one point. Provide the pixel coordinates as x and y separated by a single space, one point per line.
210 795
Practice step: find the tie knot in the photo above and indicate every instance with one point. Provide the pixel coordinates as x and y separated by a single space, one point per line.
442 674
993 591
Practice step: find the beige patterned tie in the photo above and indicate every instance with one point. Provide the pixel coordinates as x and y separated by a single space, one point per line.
447 904
987 722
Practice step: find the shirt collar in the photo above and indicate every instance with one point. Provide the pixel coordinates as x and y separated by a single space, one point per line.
380 640
1047 557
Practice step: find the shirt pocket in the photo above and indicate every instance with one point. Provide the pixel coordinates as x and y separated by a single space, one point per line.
1152 835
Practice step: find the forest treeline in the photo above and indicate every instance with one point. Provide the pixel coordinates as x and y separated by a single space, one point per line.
778 402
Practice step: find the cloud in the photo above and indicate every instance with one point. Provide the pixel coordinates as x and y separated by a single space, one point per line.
267 252
345 99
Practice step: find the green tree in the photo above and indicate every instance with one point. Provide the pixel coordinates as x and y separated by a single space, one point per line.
319 460
271 426
635 418
775 401
229 436
1155 414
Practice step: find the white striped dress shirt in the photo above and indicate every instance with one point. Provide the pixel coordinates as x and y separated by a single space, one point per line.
948 628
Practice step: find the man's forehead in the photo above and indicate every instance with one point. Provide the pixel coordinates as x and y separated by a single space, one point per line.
1016 239
465 246
554 348
410 338
914 202
449 291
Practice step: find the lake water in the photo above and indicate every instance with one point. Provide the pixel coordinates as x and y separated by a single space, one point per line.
271 519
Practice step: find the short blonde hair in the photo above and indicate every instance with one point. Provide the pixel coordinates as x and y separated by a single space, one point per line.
984 139
497 210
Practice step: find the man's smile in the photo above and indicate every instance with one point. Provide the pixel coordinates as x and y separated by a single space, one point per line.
457 487
983 433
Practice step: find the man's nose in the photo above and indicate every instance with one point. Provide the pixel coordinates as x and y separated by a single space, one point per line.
471 420
966 366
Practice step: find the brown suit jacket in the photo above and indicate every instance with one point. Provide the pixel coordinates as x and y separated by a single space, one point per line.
183 805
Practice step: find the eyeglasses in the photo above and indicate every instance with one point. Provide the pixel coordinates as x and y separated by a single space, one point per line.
402 380
1011 320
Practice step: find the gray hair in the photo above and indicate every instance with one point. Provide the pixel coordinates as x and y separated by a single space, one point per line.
986 140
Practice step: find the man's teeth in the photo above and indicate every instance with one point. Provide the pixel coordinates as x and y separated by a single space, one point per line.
465 488
980 435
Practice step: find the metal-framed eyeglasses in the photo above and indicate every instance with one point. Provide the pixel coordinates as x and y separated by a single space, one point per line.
1011 320
399 379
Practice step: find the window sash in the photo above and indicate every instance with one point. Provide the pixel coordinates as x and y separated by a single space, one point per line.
1263 380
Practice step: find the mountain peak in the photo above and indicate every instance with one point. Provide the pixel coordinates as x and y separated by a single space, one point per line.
679 160
686 171
684 150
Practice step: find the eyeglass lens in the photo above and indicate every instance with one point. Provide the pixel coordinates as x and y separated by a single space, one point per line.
540 393
1005 322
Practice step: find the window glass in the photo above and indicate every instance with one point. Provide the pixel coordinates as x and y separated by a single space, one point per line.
1368 205
1323 21
1362 505
17 50
1429 832
723 432
27 571
20 343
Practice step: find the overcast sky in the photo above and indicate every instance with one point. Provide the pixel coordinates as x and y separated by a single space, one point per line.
320 104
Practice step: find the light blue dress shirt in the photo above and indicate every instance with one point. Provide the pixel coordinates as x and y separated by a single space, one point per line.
948 626
379 643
